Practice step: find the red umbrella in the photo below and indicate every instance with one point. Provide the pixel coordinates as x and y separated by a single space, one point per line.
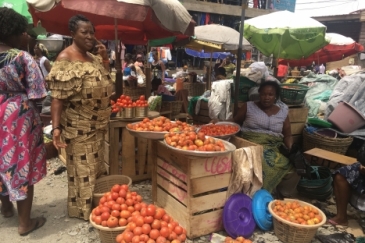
136 23
338 48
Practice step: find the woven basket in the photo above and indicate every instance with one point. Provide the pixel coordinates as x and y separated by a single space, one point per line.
134 93
295 73
106 234
105 183
289 232
336 145
175 107
195 89
51 151
293 94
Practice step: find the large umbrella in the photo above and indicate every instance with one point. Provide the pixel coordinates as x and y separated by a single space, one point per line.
339 47
216 38
19 6
138 20
201 54
285 34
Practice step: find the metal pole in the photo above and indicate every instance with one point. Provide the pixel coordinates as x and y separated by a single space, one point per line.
239 57
118 66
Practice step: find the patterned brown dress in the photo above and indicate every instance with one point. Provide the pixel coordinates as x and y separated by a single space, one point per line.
85 88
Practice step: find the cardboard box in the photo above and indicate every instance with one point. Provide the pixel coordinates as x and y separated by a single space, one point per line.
329 159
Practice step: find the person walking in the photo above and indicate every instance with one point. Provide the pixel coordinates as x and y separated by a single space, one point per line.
81 87
22 153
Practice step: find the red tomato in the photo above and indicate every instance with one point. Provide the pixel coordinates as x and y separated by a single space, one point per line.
104 209
154 234
143 238
127 236
149 220
129 202
139 220
131 226
156 224
103 223
125 214
165 232
182 237
137 230
122 97
172 236
115 213
136 239
161 239
144 212
97 211
123 222
151 210
120 200
166 218
97 220
116 206
112 222
137 207
115 195
146 228
142 97
116 188
105 216
178 230
119 238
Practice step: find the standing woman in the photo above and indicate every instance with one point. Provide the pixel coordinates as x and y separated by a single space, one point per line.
22 152
157 67
81 87
41 57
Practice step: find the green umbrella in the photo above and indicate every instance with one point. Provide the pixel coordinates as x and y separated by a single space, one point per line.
19 6
285 35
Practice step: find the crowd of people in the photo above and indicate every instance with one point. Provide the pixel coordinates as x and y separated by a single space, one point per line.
80 115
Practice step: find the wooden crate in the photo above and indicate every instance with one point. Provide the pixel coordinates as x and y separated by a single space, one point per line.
298 118
126 154
203 116
192 190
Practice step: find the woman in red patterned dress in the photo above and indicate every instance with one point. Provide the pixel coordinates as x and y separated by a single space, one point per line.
22 151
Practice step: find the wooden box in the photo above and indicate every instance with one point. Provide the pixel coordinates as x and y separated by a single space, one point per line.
192 190
321 157
127 155
298 118
203 116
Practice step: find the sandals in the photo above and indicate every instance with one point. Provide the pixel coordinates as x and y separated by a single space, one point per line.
39 222
335 224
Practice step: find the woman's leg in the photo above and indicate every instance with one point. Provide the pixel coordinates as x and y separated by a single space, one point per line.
7 209
26 224
342 193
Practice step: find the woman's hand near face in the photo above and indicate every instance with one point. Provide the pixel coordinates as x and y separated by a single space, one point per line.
101 50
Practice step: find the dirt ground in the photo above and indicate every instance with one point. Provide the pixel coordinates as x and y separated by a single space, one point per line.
50 201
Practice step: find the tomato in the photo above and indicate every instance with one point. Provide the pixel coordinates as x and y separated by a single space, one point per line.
114 195
123 222
105 216
165 232
156 224
97 211
137 230
182 237
130 209
119 238
120 200
151 241
159 213
116 206
104 223
139 220
131 226
172 236
154 234
122 97
137 207
166 218
102 200
144 212
171 225
148 220
129 202
146 228
178 230
97 220
135 239
122 193
151 210
127 236
115 213
125 214
163 224
116 188
112 222
176 241
142 97
161 239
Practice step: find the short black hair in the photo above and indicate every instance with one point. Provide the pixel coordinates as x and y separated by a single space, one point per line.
128 56
74 21
11 23
221 71
156 82
273 84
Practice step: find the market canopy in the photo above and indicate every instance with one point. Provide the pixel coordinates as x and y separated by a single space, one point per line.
19 6
215 55
285 34
138 20
339 47
215 38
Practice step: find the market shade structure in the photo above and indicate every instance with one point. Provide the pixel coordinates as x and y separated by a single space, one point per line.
285 35
216 38
138 20
19 6
339 47
215 55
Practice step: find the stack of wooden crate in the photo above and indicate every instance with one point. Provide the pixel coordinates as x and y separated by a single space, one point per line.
298 117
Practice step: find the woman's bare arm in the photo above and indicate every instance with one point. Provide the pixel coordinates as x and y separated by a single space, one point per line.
288 140
56 111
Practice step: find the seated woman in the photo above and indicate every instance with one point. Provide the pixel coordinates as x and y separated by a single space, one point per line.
220 74
266 123
158 88
346 179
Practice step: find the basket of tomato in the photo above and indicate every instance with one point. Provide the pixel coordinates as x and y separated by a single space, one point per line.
222 130
295 221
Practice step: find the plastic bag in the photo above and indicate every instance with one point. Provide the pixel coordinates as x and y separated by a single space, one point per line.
337 238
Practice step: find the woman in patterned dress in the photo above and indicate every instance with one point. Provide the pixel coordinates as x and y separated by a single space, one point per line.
81 88
22 151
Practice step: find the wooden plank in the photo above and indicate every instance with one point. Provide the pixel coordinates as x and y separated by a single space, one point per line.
173 190
151 156
114 151
128 153
153 160
106 152
143 177
207 202
205 224
201 167
106 135
142 155
169 156
297 128
175 209
172 170
209 183
163 173
330 156
298 114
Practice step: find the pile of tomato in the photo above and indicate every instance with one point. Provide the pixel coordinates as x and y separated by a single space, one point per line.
125 101
239 239
218 129
144 223
160 124
296 213
193 141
